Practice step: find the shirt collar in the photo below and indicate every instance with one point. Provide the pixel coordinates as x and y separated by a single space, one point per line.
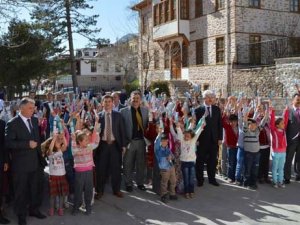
23 117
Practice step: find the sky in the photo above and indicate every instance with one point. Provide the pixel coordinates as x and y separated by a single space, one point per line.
115 20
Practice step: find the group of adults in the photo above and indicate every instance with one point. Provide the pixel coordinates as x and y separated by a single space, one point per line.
122 138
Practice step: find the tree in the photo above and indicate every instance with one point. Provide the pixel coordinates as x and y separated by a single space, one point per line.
60 19
31 60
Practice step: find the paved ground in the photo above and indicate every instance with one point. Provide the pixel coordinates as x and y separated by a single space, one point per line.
227 204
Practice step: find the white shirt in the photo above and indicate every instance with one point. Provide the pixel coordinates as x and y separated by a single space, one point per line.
57 164
26 122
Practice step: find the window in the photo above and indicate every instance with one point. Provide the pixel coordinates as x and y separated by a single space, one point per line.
199 52
295 46
86 54
156 59
144 25
254 3
78 53
95 53
161 14
255 50
185 55
93 66
117 68
220 4
220 50
295 5
198 8
167 10
167 57
106 67
145 61
184 9
173 9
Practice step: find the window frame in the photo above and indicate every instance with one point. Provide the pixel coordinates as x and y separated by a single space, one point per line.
293 6
254 49
220 50
93 66
252 4
198 8
199 52
219 5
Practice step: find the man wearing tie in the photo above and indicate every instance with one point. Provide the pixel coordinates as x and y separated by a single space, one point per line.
23 141
293 140
209 140
109 151
136 120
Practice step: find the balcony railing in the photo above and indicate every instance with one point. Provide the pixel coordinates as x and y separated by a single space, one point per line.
265 53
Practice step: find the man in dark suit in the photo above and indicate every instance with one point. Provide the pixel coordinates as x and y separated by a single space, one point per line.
23 141
209 140
117 106
136 120
109 151
293 140
3 167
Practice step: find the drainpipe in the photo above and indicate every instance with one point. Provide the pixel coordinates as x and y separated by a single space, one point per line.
228 52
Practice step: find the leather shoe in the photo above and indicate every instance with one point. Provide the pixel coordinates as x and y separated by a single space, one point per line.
22 220
215 183
200 183
3 220
37 214
129 188
142 187
119 194
287 181
98 196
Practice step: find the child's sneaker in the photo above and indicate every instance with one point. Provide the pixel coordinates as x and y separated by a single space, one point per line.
173 197
275 185
51 212
60 212
164 199
281 185
192 195
187 196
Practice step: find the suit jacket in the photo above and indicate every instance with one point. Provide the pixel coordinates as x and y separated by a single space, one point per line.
293 127
3 150
213 131
127 118
117 127
120 106
17 137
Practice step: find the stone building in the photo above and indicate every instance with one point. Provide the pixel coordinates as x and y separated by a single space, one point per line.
215 43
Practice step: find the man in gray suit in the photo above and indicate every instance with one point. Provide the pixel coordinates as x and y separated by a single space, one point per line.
136 121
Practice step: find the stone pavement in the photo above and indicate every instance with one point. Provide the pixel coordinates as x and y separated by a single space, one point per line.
227 204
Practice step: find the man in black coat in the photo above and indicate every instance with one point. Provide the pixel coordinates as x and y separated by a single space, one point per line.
293 140
109 151
23 141
3 167
209 140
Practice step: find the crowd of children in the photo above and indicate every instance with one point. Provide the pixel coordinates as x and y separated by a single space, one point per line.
70 130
